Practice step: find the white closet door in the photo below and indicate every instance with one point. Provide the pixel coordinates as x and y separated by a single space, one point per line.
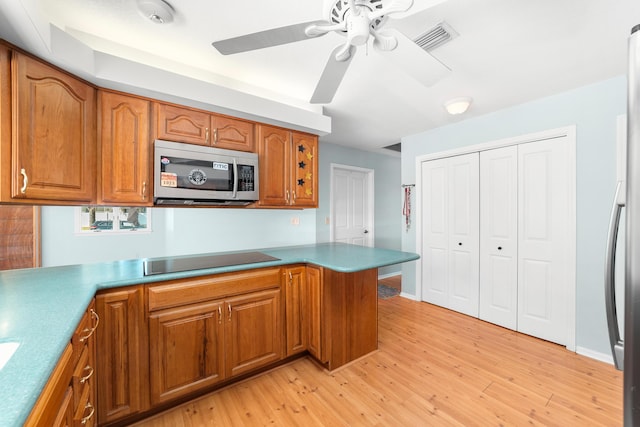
464 233
543 205
450 235
435 239
499 236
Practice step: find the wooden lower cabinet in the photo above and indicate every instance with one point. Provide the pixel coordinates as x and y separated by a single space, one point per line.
122 351
186 350
296 309
313 324
253 331
68 398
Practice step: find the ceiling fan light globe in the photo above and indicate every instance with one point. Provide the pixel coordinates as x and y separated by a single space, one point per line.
457 105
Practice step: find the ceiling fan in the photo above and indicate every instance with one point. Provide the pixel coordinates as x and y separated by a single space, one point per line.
357 20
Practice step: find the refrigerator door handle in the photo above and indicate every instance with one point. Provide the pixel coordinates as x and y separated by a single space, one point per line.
617 344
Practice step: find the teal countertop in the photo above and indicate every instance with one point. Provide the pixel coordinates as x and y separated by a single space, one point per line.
40 308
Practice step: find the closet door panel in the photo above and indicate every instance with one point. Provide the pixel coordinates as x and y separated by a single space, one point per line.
499 236
464 233
435 241
543 194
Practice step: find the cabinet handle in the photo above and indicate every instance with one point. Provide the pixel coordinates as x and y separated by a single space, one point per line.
287 196
144 190
92 330
293 193
88 417
290 278
229 306
25 181
89 375
215 136
206 134
219 314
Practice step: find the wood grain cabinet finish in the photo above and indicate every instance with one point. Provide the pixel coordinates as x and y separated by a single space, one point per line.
54 135
186 350
69 397
121 353
183 124
253 333
313 310
296 309
125 150
288 168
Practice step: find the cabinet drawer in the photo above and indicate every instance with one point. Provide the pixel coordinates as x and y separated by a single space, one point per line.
82 375
85 330
180 292
85 412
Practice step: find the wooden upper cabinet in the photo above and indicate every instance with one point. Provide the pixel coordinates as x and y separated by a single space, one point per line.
288 168
54 134
273 158
183 124
232 134
304 170
125 149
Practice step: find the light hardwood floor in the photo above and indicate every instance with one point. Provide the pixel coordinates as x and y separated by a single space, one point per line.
434 367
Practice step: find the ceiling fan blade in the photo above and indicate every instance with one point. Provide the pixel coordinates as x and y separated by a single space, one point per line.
413 60
332 76
394 6
268 38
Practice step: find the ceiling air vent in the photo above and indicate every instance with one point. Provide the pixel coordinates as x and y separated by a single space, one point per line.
436 36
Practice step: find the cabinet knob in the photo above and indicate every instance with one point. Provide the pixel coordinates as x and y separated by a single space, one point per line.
499 248
459 243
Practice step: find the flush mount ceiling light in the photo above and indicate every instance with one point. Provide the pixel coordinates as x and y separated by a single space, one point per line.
157 11
457 105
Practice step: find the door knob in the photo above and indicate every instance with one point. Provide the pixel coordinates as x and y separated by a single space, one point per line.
366 231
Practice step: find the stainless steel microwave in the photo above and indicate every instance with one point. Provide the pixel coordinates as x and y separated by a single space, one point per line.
192 175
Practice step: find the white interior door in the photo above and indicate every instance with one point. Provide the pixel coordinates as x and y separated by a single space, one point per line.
464 233
499 236
543 265
435 237
352 205
450 233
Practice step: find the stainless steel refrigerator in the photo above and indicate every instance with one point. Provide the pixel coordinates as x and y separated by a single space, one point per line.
626 351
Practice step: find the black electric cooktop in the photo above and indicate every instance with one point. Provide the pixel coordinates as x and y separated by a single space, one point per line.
162 266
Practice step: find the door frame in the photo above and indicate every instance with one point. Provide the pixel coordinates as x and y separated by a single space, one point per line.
371 205
570 133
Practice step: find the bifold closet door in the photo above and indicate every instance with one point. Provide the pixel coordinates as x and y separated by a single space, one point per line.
450 212
543 228
499 236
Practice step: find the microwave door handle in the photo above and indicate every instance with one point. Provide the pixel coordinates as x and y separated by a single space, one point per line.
235 179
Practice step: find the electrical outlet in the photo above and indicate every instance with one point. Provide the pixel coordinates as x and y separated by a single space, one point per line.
295 220
327 220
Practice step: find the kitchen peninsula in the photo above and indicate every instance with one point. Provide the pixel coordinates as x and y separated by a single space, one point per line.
328 310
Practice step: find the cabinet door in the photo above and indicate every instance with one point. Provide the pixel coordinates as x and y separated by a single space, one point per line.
120 356
304 170
499 236
313 308
253 331
182 124
186 352
125 150
233 134
295 309
274 157
55 134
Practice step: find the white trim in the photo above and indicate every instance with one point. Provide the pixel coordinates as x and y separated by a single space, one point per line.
371 208
409 296
570 133
602 357
394 274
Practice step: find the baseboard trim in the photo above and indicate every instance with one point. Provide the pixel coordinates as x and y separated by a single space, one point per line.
409 296
603 357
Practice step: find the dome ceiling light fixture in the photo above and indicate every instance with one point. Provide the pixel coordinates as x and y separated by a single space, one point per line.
457 105
157 11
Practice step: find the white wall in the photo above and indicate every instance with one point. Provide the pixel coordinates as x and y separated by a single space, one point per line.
387 197
593 109
176 231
